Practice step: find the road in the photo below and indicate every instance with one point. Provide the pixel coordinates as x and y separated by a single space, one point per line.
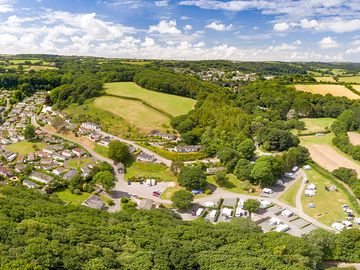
122 189
300 192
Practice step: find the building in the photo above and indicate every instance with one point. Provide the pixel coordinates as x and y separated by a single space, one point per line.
30 184
78 152
187 148
146 204
94 201
214 170
166 136
145 157
70 174
41 177
5 171
90 126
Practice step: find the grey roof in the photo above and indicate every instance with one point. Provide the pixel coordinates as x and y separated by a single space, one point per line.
94 201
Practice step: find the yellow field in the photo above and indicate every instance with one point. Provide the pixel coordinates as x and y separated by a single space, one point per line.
134 112
323 89
357 87
351 79
171 104
325 79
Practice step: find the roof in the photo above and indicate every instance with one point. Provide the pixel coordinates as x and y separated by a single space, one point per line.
146 204
93 201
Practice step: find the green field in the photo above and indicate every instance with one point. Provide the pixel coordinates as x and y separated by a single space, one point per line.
150 170
139 63
326 139
135 113
325 79
172 104
109 122
37 68
102 150
68 197
25 147
317 124
289 197
234 185
20 61
327 204
79 162
351 79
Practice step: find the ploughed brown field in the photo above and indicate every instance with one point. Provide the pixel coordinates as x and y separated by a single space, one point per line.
354 138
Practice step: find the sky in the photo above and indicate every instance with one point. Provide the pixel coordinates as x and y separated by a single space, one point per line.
256 30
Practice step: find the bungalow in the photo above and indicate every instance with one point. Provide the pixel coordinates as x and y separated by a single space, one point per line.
58 147
166 136
59 171
70 174
105 141
67 153
95 136
30 184
214 170
145 157
78 152
49 150
5 171
41 177
48 167
94 201
85 171
6 141
187 148
10 156
91 126
20 168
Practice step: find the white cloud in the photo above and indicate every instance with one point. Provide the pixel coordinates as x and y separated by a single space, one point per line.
161 3
6 6
188 27
328 43
148 42
127 3
219 26
309 24
280 27
165 27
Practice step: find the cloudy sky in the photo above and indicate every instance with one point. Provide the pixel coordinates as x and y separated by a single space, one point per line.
287 30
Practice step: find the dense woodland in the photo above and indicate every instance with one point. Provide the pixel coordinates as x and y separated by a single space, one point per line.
39 232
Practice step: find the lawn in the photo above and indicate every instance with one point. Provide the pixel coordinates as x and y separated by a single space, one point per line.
351 79
135 113
169 191
68 197
327 204
233 185
289 197
317 124
109 122
323 89
25 147
150 170
172 104
79 162
102 150
325 79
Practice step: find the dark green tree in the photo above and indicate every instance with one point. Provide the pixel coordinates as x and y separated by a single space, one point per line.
192 178
119 152
182 199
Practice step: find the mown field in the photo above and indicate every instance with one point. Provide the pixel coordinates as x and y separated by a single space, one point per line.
25 147
172 104
323 89
150 170
134 112
325 79
350 79
289 197
235 185
327 203
357 87
317 124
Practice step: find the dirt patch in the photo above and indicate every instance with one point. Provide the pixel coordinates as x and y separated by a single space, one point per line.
323 89
354 138
328 158
80 140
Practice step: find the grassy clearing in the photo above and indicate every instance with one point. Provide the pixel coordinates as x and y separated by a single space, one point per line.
25 147
351 79
323 89
71 198
317 124
325 79
172 104
109 122
234 185
150 170
135 113
102 150
327 204
169 191
37 68
289 197
139 63
79 162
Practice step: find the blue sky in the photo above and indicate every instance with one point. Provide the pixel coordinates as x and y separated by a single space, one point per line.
287 30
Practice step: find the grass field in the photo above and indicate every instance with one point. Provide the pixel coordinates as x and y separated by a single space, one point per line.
172 104
234 185
351 79
323 89
110 122
102 150
150 170
37 68
79 162
325 79
68 197
317 124
135 113
327 204
139 63
169 191
20 61
356 87
25 147
289 197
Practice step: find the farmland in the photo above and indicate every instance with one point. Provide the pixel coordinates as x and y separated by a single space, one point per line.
135 113
317 124
357 87
323 89
171 104
327 203
351 79
325 79
354 138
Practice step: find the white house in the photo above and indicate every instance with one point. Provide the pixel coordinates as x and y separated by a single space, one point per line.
282 228
41 177
90 126
287 213
264 204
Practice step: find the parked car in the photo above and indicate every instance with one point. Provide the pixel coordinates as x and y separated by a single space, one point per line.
156 193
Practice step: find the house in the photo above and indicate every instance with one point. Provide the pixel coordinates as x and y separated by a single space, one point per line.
166 136
105 141
146 204
94 201
41 177
214 170
90 126
95 136
120 168
78 152
49 150
5 141
30 184
85 171
59 171
5 171
67 153
287 213
187 148
145 157
19 168
70 174
9 156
